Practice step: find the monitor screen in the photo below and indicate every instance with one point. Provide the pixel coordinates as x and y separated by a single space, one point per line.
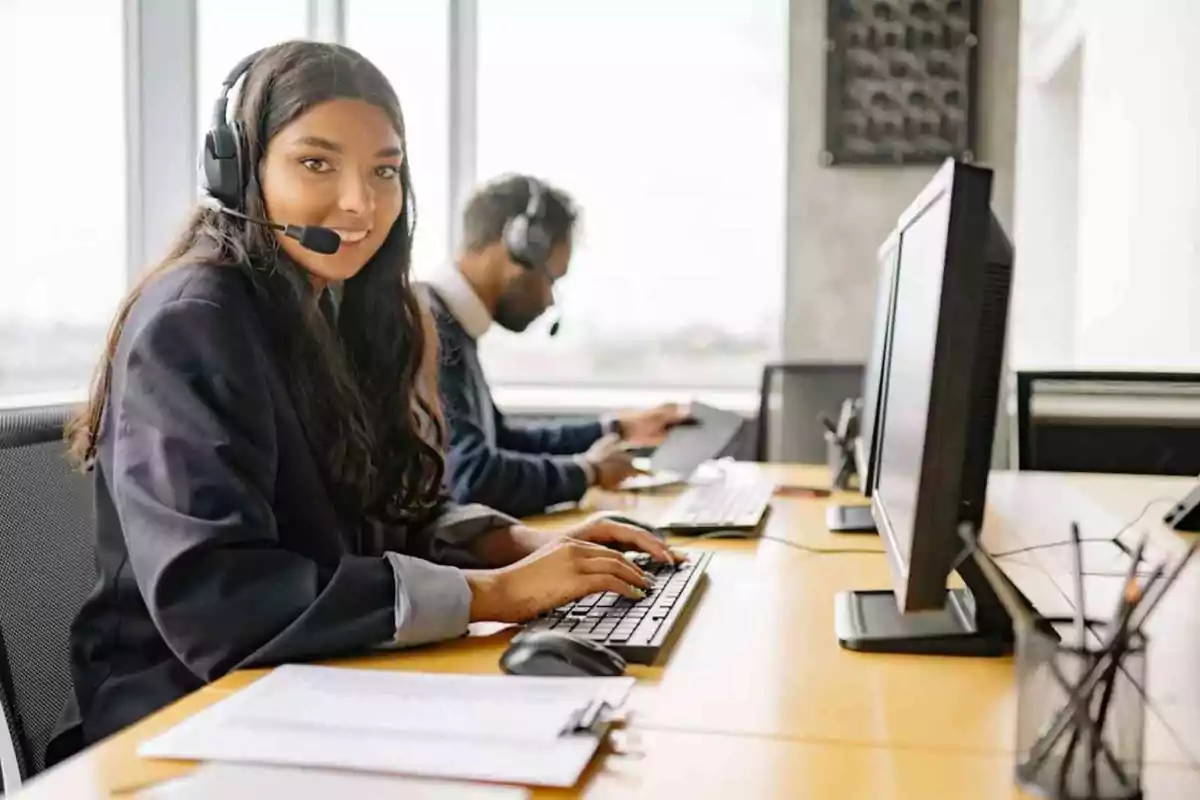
874 381
902 427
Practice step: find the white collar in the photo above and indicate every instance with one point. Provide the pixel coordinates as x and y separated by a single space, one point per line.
462 300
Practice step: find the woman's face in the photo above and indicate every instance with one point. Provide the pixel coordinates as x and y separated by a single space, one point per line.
337 166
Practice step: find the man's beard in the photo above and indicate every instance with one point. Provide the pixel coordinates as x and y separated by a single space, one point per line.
512 316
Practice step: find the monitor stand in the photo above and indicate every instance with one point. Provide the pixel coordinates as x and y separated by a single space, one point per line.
850 519
870 621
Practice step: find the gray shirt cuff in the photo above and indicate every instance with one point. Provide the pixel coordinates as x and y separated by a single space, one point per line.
433 602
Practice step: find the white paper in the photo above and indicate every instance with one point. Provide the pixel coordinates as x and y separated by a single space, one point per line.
252 782
492 728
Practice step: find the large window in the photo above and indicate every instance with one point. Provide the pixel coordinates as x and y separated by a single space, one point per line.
410 42
62 211
228 31
666 121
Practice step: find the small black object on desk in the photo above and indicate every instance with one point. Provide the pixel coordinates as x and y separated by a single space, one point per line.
1185 515
549 653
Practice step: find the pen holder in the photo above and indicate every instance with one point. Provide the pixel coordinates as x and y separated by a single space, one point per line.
1081 713
839 455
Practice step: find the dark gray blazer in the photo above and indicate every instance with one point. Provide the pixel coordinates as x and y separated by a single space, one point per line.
217 543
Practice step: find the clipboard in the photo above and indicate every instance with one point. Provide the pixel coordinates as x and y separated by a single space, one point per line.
505 729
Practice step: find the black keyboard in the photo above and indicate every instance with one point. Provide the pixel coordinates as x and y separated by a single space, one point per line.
638 630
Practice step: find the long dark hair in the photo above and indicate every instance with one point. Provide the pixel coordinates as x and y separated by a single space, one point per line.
366 390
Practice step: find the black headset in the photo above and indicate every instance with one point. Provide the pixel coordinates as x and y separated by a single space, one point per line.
525 236
224 170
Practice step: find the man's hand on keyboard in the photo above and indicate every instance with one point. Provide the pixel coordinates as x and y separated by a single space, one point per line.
621 536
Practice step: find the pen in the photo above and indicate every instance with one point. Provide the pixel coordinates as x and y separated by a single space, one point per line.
1081 643
1118 638
1130 598
1153 602
1080 606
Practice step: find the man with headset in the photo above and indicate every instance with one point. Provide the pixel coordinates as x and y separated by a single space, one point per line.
517 240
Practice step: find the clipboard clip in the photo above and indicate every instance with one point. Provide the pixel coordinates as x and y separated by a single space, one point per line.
594 718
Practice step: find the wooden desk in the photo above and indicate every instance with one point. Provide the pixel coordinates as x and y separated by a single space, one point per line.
757 698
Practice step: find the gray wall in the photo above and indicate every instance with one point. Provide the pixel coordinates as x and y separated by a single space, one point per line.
838 216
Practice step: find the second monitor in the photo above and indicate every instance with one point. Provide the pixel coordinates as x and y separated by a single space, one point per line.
857 518
934 426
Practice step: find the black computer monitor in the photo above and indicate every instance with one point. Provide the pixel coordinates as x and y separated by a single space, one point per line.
858 518
935 424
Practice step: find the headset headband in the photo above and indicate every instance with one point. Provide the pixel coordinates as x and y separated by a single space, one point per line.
533 209
220 109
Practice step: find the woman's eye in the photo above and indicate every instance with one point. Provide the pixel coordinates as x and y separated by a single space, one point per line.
388 172
316 164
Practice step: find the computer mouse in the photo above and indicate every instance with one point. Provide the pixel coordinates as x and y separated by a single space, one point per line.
636 523
549 653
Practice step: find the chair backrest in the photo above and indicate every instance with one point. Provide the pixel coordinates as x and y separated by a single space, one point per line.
47 569
1093 421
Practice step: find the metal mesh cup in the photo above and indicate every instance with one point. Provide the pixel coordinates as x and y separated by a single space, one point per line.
1081 712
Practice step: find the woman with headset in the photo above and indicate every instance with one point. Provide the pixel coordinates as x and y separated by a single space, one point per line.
264 430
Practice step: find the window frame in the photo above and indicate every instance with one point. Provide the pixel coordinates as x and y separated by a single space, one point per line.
161 56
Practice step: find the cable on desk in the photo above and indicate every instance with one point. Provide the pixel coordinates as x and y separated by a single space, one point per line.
1044 545
1115 539
820 551
1088 573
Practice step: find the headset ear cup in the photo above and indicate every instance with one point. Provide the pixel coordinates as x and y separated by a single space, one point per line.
222 166
537 243
516 239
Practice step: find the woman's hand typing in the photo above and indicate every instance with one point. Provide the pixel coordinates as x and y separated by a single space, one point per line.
556 573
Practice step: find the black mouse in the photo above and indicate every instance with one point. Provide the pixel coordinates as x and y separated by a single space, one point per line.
560 655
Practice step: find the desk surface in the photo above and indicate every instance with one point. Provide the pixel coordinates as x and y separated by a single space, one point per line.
757 695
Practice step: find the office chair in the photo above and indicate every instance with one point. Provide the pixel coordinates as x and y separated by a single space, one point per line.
46 571
807 390
1143 423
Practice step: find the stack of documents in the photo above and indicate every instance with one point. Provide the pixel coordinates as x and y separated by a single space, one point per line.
537 731
255 782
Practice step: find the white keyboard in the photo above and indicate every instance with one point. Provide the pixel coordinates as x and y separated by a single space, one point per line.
732 503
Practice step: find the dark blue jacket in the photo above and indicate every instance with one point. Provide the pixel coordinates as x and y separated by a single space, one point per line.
518 470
